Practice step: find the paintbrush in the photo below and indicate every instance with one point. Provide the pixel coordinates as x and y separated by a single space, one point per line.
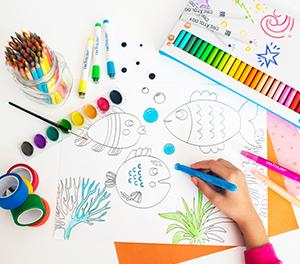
61 127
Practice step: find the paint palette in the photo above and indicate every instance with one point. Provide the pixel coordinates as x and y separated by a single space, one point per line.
76 120
251 63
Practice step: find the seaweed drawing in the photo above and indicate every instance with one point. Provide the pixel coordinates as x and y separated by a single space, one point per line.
197 225
142 181
79 201
116 131
245 8
207 123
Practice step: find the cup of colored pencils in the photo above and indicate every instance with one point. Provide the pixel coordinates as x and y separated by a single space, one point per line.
41 73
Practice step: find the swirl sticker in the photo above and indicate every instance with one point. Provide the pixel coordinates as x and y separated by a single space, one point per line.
277 25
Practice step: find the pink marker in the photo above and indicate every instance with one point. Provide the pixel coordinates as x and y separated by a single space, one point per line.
279 91
284 94
271 165
290 98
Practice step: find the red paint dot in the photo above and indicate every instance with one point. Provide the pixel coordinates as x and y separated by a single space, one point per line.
103 104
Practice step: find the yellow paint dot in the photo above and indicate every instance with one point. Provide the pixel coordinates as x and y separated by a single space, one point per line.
248 48
224 24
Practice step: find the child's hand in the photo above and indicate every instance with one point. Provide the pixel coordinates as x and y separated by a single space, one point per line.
236 205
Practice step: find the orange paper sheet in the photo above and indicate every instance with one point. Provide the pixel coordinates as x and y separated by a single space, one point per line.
281 219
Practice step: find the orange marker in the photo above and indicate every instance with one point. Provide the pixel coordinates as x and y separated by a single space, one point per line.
234 67
273 88
256 79
250 76
267 85
245 73
240 70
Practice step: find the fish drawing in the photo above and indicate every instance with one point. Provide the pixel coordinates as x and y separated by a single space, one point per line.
116 130
208 123
142 181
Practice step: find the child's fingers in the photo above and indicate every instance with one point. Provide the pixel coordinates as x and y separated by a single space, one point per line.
203 187
226 163
214 166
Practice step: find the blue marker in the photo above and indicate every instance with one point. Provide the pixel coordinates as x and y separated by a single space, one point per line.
179 37
210 179
111 71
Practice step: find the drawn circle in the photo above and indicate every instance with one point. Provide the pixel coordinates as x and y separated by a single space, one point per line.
187 25
46 216
181 114
90 111
27 148
145 90
138 63
169 149
124 44
141 45
65 125
115 97
40 141
77 119
224 24
129 123
126 132
159 98
169 43
171 37
103 104
150 115
152 76
52 133
248 48
124 70
153 171
152 184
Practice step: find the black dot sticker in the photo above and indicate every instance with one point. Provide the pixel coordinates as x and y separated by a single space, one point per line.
124 70
152 76
27 148
115 97
137 63
141 45
124 44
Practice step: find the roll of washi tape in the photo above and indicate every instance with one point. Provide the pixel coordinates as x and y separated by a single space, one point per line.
13 191
30 212
27 172
28 184
46 216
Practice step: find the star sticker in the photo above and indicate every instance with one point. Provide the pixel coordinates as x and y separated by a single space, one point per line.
272 51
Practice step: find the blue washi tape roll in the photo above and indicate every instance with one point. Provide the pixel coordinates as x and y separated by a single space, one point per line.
13 191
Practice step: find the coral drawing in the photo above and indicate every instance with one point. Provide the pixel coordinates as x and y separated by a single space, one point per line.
115 131
80 201
142 181
197 225
207 123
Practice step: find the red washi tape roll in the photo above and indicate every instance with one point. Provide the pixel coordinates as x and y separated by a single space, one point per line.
27 172
46 216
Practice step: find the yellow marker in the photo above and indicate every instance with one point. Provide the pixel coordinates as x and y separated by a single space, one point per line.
228 65
245 73
240 70
234 67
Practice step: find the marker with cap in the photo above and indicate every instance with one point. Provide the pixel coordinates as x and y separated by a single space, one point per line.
210 179
96 54
86 68
110 63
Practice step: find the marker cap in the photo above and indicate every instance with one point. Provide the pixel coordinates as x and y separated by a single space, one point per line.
97 24
111 71
96 72
105 21
82 88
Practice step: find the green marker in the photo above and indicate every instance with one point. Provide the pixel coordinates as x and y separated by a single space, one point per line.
201 49
190 44
218 58
96 54
223 61
206 52
212 55
196 47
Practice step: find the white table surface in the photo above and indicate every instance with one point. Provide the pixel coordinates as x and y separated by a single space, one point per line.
65 25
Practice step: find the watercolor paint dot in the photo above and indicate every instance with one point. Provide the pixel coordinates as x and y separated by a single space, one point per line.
124 44
159 98
66 126
141 45
90 111
145 90
115 97
152 76
40 141
124 70
27 148
52 133
169 149
77 119
103 104
150 115
137 63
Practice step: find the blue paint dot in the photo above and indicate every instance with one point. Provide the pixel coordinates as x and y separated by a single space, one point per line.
169 149
150 115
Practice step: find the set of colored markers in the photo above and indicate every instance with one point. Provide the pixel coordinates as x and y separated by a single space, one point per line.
93 54
36 68
239 70
17 189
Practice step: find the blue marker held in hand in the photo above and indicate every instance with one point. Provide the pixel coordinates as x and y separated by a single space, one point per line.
209 179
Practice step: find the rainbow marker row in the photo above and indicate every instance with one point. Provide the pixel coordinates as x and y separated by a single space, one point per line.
239 70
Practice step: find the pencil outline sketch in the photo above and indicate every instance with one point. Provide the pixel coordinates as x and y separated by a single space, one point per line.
79 200
207 123
115 131
142 180
159 98
197 225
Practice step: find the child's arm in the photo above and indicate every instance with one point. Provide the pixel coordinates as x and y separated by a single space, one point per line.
238 206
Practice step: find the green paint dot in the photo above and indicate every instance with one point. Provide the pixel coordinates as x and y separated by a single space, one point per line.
52 133
66 126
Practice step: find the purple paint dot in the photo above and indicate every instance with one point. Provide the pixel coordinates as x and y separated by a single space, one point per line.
40 141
